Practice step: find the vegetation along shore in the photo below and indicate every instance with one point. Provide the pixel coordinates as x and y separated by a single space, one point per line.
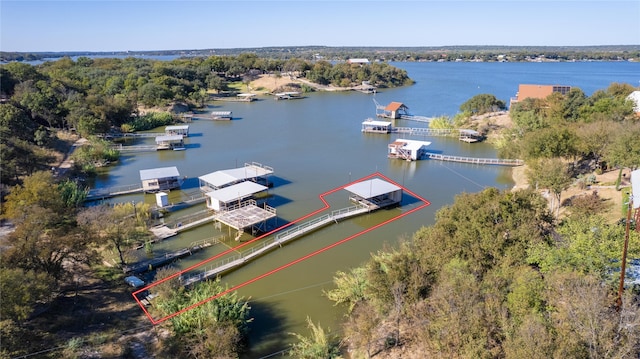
530 272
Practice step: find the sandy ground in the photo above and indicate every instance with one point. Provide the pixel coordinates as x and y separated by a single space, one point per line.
605 183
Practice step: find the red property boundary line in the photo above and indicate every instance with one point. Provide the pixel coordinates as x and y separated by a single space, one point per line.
424 204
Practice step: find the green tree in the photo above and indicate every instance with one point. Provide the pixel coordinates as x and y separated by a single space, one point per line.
483 103
553 175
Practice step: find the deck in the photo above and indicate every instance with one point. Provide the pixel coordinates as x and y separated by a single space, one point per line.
275 241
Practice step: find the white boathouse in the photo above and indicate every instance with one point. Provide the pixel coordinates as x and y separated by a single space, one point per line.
170 142
253 171
373 126
182 130
375 193
160 179
224 198
409 150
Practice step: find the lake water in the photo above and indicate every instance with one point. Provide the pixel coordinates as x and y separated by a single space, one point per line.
315 145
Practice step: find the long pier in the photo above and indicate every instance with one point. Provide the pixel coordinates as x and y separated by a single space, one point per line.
276 241
136 148
150 264
474 160
101 193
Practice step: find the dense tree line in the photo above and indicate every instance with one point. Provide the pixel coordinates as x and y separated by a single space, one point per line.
494 277
387 53
94 96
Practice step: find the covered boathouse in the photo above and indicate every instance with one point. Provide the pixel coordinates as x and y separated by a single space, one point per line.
160 179
394 110
170 142
225 198
375 193
182 130
253 171
409 150
372 126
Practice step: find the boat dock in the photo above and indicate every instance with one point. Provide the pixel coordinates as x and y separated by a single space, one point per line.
474 160
150 264
278 240
386 127
217 116
108 192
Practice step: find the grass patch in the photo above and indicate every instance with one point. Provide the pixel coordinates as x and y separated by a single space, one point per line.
108 274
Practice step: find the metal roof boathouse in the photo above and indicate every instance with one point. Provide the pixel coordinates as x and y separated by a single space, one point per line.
373 126
219 179
160 179
409 150
375 193
182 130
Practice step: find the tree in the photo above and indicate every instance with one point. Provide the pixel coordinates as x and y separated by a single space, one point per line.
21 291
483 103
553 175
121 225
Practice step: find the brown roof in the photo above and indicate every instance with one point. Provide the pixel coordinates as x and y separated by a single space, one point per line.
394 106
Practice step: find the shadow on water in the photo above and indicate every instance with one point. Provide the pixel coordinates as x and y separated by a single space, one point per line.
276 181
192 145
267 328
275 200
190 183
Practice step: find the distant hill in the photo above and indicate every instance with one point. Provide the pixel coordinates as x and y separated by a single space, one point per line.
384 53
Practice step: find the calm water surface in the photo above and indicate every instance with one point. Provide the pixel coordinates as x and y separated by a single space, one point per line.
315 145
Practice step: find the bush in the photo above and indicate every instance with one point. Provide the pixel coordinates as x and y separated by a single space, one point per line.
150 121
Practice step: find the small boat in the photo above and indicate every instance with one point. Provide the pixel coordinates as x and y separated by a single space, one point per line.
179 148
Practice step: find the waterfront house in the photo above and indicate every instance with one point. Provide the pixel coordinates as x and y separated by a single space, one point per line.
160 179
409 150
358 61
537 92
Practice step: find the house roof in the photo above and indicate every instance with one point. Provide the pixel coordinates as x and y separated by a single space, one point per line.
372 188
395 106
169 138
376 123
237 191
176 127
162 172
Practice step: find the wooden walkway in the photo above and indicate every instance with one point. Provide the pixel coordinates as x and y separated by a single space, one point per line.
150 264
108 192
474 160
416 118
184 223
136 148
273 242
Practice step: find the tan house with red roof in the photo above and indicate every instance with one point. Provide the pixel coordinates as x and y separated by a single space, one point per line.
538 92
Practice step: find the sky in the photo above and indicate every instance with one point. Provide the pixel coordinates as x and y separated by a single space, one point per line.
145 25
